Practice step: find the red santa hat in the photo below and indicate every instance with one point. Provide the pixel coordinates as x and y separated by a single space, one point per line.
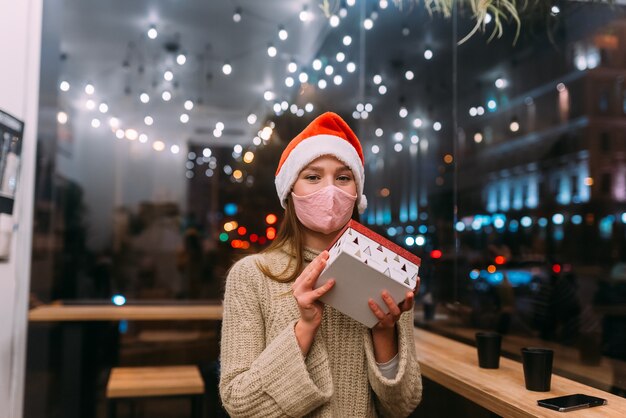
328 134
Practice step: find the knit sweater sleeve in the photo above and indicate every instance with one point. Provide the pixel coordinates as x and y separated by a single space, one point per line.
397 397
265 378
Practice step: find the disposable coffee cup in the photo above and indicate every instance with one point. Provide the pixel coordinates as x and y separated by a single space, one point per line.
537 364
488 345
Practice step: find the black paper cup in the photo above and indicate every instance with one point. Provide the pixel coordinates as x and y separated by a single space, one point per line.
537 368
488 346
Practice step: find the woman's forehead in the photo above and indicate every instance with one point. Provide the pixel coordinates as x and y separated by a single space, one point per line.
327 161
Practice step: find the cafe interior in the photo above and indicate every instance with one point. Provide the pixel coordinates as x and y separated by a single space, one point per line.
146 136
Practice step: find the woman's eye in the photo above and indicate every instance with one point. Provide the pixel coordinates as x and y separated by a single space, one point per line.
344 178
311 177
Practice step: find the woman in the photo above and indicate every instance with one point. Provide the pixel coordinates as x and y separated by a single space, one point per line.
284 353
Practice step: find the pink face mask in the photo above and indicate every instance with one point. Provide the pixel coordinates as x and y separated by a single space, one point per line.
326 210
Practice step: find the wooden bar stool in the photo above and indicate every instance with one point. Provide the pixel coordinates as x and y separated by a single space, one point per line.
129 383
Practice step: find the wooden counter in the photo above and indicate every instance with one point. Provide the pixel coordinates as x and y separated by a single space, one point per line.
447 362
49 313
454 365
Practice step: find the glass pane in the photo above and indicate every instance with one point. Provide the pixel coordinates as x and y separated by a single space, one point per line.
498 162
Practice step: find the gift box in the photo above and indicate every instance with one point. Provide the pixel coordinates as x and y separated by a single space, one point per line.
364 264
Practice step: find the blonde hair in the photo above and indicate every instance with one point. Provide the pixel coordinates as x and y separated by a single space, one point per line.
290 237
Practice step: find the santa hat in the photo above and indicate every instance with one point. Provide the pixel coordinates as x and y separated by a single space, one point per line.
328 134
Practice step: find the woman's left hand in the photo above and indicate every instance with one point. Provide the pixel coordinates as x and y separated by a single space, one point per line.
388 320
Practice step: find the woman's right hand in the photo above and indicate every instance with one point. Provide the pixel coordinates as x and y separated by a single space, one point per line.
307 298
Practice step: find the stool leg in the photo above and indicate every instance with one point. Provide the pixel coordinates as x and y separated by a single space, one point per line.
196 406
112 408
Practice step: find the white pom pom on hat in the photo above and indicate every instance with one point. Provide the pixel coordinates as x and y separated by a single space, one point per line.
328 134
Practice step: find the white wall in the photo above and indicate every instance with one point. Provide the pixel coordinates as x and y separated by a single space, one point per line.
20 40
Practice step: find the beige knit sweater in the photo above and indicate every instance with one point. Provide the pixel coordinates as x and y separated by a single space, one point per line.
263 371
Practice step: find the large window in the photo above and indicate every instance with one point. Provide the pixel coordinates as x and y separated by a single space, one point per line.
161 124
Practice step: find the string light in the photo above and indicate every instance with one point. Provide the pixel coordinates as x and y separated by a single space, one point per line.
152 32
62 118
237 15
292 67
144 97
227 69
305 16
64 86
158 145
351 67
347 40
188 105
334 21
166 96
271 50
181 59
282 34
428 54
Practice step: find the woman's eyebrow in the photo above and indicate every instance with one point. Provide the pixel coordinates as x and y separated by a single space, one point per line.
321 169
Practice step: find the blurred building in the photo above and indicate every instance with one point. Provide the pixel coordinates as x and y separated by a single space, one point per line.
544 155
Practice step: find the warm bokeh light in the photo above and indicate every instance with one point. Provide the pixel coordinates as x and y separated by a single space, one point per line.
270 233
500 259
448 159
237 174
384 192
248 157
588 181
230 226
556 268
491 268
158 145
271 219
436 254
242 230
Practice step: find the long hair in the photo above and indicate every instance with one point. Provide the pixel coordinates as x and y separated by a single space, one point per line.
290 237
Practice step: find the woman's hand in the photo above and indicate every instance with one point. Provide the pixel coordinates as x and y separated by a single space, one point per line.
384 335
388 320
307 298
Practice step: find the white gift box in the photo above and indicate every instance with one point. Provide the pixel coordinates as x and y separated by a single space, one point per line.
364 264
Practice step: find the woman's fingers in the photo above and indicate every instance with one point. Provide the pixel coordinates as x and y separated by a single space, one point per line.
309 275
407 304
394 310
323 289
376 310
388 319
